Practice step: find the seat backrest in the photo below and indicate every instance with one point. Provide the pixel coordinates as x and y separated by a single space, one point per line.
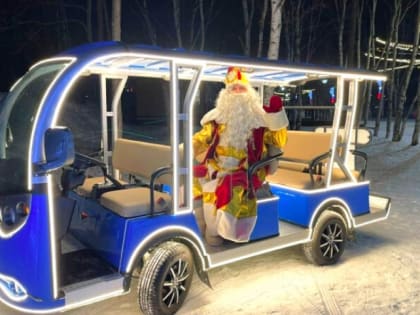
306 145
141 158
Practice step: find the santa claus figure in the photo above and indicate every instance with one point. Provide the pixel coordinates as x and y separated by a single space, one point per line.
235 134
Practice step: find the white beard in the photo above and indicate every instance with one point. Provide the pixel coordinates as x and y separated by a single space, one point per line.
241 113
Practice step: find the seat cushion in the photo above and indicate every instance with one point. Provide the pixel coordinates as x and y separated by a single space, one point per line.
133 202
291 178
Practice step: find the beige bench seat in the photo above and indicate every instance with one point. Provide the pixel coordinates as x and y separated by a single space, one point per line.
134 201
292 178
301 149
140 159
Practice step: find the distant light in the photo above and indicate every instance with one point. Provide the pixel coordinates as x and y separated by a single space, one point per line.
324 81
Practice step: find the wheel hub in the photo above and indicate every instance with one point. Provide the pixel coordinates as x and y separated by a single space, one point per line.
173 287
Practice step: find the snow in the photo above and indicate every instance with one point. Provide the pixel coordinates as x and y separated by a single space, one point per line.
378 273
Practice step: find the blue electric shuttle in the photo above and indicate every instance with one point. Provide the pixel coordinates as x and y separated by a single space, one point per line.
96 175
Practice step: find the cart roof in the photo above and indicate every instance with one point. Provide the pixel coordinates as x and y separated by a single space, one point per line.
117 58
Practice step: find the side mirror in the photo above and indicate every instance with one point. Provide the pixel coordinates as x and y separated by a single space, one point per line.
59 149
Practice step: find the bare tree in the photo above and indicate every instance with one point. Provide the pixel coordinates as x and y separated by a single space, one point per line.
63 27
89 20
100 20
340 6
359 18
416 132
400 11
351 37
143 8
314 21
389 87
177 21
411 107
206 10
293 18
202 24
275 29
406 80
261 24
116 20
248 9
370 58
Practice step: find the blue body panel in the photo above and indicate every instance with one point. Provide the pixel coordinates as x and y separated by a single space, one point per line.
267 219
99 229
115 238
26 258
141 229
298 206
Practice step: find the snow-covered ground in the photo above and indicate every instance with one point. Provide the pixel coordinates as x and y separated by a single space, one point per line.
378 273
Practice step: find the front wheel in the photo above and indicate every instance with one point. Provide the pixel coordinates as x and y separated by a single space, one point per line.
165 279
328 241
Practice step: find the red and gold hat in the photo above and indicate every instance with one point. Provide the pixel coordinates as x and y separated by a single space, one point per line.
235 76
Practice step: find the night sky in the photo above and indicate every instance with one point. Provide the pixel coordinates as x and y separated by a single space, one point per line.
32 30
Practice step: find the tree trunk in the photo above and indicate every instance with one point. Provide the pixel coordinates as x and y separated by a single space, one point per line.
89 20
314 20
410 110
177 22
341 14
143 8
388 88
100 20
416 132
248 14
371 51
359 35
107 23
275 29
351 37
407 76
298 32
63 26
261 24
202 25
116 20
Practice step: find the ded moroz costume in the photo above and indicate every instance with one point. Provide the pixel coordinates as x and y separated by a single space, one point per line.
235 134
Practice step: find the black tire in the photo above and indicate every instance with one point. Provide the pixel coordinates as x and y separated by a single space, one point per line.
328 241
165 279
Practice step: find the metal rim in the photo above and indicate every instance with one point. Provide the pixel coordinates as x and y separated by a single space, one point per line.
174 285
332 238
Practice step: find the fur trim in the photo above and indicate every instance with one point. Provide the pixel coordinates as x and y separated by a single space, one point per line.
211 115
276 121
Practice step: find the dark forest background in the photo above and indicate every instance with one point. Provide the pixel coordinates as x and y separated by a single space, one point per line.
379 35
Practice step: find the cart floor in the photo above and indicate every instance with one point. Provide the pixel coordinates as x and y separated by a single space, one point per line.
83 265
290 235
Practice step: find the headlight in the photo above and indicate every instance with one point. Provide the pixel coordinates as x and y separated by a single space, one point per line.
14 212
22 209
9 215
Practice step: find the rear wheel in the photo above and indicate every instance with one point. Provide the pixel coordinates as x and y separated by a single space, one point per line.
328 241
165 279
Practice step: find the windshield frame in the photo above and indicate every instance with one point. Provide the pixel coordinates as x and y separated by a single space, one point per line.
54 67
